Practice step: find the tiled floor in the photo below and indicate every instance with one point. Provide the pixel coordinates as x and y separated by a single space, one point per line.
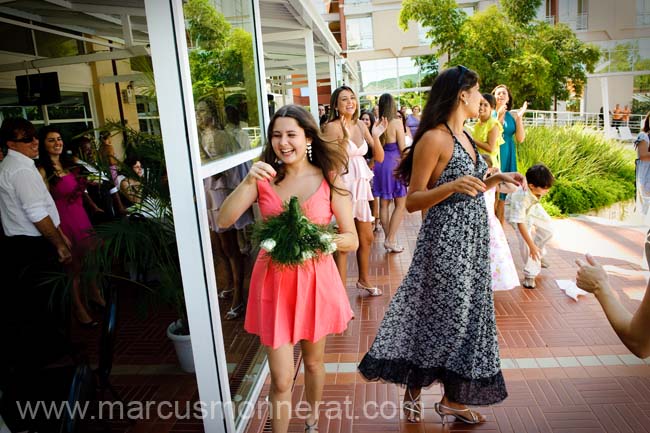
565 369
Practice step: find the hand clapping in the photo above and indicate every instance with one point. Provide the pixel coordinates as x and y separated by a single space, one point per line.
379 127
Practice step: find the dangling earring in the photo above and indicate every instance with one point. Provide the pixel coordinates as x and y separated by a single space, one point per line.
309 157
336 112
277 160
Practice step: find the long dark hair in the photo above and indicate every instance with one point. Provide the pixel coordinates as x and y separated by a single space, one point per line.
443 100
388 110
334 112
329 156
370 116
44 159
646 123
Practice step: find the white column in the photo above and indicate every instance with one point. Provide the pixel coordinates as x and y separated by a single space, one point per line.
311 74
165 24
604 90
332 65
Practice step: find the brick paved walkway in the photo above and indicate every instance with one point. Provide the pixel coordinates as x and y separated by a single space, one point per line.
565 368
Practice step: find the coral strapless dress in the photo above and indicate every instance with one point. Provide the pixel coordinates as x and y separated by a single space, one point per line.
306 302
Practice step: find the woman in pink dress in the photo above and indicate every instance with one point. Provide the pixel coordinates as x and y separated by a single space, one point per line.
344 126
502 267
303 303
68 190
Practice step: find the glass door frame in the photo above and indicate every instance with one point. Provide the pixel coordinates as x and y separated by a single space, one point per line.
169 53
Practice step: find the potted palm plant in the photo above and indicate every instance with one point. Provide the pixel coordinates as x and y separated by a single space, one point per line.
140 248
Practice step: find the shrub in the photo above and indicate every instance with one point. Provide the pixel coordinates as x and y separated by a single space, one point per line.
591 172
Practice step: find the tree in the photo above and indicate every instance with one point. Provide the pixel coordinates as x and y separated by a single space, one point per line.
538 61
429 67
521 11
220 57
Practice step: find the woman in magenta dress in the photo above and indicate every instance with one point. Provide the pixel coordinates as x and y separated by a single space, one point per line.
344 127
385 185
305 303
68 190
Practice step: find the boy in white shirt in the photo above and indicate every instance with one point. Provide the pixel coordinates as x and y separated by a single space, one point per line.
525 212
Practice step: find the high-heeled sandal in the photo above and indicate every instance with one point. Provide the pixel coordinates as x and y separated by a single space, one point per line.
457 414
372 291
309 428
393 248
413 408
225 293
235 312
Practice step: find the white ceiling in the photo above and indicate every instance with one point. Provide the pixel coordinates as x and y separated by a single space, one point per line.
283 25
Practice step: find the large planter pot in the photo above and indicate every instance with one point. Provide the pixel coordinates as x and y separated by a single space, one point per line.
183 346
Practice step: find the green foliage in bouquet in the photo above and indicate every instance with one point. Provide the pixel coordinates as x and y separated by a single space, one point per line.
289 238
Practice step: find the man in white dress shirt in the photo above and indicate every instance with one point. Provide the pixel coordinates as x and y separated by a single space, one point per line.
32 246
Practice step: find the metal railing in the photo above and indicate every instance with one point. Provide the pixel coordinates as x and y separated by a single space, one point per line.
575 22
643 19
569 118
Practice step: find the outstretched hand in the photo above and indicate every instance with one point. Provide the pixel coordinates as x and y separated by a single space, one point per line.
379 127
591 275
514 178
523 109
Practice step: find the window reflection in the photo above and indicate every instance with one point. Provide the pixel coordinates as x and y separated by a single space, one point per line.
222 66
225 89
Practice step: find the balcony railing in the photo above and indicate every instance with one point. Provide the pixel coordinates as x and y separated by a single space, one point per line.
576 22
643 19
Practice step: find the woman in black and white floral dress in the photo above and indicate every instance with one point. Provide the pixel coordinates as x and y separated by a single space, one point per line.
440 326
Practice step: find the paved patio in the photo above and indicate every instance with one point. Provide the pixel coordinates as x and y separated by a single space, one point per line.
565 368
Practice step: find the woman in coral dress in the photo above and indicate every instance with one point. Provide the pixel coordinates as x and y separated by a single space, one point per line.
303 303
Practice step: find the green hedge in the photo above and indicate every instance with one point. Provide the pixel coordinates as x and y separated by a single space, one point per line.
590 171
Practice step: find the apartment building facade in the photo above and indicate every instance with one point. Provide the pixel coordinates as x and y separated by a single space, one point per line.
378 49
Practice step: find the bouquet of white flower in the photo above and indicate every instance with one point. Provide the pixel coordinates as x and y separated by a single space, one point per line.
289 238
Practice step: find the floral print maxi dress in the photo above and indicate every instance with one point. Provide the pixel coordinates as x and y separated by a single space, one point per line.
440 325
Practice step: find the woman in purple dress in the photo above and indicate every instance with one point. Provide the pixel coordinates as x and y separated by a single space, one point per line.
68 190
413 120
385 185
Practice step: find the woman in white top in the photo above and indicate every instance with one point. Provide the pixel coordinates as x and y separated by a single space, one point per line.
343 126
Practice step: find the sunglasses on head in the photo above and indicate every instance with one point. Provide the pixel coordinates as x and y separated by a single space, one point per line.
462 70
25 139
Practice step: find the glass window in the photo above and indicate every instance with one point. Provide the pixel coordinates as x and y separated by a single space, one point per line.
222 65
51 45
148 117
422 35
228 117
359 33
72 114
643 12
16 39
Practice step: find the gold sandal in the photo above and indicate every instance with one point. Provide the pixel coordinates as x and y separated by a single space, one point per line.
413 408
372 291
457 414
